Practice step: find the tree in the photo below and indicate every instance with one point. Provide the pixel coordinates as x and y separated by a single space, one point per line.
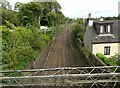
17 6
51 11
36 13
10 16
29 13
5 4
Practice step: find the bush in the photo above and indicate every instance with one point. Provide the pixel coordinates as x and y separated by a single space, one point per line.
78 31
101 56
10 16
21 46
118 62
115 59
108 61
15 47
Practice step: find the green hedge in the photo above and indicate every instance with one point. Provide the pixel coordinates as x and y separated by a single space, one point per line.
108 61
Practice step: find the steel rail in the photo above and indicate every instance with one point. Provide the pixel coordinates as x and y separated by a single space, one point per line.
61 68
67 81
63 76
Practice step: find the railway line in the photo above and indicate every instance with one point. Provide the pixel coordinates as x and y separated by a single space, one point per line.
63 52
64 64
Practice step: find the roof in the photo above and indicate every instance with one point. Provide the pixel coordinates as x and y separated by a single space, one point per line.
103 22
105 38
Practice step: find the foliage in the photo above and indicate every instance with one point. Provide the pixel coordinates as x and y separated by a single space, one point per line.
116 58
10 25
9 16
22 39
78 31
21 46
36 13
17 6
112 18
101 56
112 61
29 14
5 4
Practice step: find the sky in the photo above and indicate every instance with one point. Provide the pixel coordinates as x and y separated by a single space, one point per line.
81 8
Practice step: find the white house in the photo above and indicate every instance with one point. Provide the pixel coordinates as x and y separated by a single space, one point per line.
103 37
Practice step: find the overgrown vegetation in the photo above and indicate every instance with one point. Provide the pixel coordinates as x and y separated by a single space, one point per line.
111 61
36 14
33 13
22 39
78 31
10 16
21 45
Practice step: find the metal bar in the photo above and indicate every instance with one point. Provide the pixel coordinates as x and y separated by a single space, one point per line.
110 79
73 82
62 68
53 79
63 76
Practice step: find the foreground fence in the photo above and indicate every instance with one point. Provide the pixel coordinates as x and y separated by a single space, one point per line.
98 77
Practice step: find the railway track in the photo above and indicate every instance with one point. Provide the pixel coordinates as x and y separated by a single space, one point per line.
64 64
63 52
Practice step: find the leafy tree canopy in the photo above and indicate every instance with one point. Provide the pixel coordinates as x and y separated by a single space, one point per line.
34 12
5 4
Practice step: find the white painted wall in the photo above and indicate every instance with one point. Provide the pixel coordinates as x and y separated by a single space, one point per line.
119 48
90 23
99 48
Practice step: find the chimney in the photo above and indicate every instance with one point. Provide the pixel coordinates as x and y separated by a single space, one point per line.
101 18
90 20
89 15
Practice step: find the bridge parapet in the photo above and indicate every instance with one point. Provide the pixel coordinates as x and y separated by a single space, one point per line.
103 76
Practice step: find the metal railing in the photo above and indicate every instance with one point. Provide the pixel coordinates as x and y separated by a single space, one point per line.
103 77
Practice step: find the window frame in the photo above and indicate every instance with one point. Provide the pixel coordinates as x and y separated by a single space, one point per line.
107 50
109 28
105 29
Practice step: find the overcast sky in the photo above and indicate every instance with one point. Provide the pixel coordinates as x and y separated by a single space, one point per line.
81 8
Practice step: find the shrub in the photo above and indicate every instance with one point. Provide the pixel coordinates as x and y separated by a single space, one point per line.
108 61
21 46
10 16
101 56
79 31
115 59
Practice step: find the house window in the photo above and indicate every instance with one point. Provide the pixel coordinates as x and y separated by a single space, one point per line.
101 29
108 29
105 29
107 50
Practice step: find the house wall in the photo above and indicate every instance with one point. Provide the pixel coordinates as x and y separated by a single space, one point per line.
119 48
99 48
